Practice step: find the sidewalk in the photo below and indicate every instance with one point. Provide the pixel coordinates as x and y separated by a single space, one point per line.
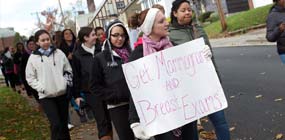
251 38
81 131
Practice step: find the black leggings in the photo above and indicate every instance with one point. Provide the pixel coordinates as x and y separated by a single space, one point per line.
188 133
101 114
56 110
119 117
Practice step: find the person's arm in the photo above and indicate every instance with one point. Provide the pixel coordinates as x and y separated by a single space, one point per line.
76 77
97 86
66 64
133 115
134 119
203 34
273 29
31 76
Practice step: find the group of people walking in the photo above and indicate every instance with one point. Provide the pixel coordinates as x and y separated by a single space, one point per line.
13 62
92 65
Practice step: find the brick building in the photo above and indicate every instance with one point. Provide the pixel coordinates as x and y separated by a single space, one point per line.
7 36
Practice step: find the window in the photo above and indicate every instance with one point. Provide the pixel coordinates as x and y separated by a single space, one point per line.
145 3
150 2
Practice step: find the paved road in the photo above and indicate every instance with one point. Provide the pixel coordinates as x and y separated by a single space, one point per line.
246 73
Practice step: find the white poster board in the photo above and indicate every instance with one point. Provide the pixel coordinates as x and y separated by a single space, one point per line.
174 87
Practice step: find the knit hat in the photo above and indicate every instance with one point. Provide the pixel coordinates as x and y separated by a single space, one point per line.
107 43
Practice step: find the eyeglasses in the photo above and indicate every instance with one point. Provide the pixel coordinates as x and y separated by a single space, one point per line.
123 36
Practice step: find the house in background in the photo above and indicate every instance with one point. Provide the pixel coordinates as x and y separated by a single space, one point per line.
122 9
232 6
259 3
111 9
7 36
167 4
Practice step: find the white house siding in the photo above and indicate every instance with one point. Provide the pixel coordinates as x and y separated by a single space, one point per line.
211 5
259 3
167 4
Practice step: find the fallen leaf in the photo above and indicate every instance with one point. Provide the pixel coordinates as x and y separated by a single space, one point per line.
205 120
232 128
2 138
232 97
279 136
279 99
258 96
208 135
262 73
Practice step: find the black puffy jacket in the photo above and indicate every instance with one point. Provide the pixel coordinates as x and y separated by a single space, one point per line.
109 82
273 34
81 68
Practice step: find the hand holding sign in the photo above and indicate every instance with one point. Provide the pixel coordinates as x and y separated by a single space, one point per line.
207 52
139 132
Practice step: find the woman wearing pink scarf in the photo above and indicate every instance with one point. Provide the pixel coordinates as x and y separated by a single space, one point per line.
153 24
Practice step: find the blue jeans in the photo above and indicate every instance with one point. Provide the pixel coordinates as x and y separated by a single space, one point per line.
220 124
282 57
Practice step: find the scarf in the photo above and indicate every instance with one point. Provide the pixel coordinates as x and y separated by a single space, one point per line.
150 46
123 53
45 52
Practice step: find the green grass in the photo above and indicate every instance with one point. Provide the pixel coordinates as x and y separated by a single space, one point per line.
18 120
239 21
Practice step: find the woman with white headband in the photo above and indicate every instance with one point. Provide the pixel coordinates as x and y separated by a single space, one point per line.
153 24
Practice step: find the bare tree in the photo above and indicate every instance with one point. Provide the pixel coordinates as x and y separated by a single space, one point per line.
91 6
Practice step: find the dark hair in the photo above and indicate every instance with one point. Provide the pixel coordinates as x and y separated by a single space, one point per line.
84 31
175 6
139 18
107 49
98 28
63 42
19 43
6 49
32 38
133 20
110 28
29 41
57 38
40 32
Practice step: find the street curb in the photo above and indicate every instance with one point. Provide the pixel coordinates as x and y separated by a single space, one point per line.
244 30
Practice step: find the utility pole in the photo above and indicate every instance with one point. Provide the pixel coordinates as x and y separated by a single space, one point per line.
62 15
250 4
91 6
221 14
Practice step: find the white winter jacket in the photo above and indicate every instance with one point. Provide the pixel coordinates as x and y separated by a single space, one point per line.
45 73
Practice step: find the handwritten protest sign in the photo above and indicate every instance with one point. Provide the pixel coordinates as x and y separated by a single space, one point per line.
174 87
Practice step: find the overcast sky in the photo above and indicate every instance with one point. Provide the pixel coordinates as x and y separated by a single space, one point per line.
20 13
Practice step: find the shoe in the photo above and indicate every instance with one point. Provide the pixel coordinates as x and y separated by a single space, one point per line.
70 126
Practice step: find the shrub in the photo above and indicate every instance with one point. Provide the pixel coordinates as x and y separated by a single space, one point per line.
213 17
204 16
